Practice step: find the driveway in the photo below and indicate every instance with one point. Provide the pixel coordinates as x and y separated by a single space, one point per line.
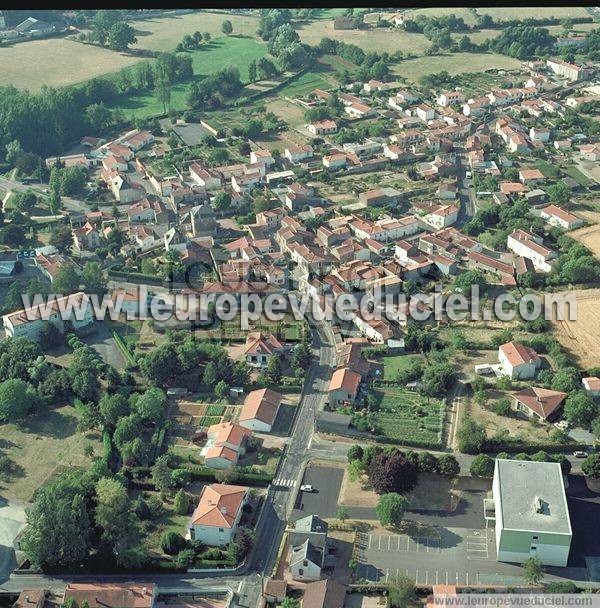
104 344
12 521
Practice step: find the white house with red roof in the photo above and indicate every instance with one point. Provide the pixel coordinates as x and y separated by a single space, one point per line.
592 385
225 443
260 410
260 348
518 361
343 386
217 516
537 402
557 216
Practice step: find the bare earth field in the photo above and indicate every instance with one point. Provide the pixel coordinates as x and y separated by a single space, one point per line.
164 34
582 336
57 62
520 12
455 63
588 236
389 39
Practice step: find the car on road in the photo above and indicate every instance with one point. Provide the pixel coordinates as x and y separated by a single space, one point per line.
580 454
306 488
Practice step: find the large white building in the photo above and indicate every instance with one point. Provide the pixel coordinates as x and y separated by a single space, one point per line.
69 312
530 512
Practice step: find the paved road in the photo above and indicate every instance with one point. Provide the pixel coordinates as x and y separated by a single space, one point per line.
70 204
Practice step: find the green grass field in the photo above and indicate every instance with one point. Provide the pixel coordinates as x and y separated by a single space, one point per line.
392 365
209 59
304 84
408 417
577 175
454 63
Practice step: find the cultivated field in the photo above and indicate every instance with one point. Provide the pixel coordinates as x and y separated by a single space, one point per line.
42 447
163 34
455 63
520 12
439 11
582 336
57 62
376 39
590 237
406 416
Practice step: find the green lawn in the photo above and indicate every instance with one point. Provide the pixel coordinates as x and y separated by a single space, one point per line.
408 417
548 169
208 59
392 365
577 175
304 84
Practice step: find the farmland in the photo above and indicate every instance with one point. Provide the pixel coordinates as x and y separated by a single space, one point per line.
454 63
57 62
210 58
390 39
520 12
582 336
405 416
46 445
163 34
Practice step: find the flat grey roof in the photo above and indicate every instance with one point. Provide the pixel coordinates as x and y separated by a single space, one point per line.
520 483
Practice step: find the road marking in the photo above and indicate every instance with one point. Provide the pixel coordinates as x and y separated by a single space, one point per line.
370 537
446 577
287 483
436 577
379 545
389 542
426 577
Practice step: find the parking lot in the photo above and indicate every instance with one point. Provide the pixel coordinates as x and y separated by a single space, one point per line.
449 556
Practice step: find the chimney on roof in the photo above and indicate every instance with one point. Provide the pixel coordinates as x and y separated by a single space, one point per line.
224 510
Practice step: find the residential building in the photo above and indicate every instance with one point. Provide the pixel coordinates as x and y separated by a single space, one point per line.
538 402
217 516
556 216
592 385
295 154
442 217
327 593
260 410
308 548
529 246
72 312
343 386
530 512
112 595
260 348
519 362
225 443
323 127
568 70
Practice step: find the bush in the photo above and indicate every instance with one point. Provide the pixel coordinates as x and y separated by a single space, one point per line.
482 466
172 543
448 465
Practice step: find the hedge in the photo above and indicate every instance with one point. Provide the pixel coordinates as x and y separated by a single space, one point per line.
136 277
202 473
491 446
124 348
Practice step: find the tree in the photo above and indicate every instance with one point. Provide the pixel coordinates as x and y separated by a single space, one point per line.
273 372
61 237
13 236
226 27
580 409
252 71
401 592
113 512
17 399
559 193
161 474
160 364
172 543
532 570
390 509
427 462
464 281
150 406
67 280
222 201
355 470
355 452
221 389
13 151
342 514
392 473
471 436
120 36
290 602
93 279
566 380
58 530
482 466
591 466
163 93
448 465
113 407
181 503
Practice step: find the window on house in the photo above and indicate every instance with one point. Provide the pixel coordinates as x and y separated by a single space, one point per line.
301 572
221 530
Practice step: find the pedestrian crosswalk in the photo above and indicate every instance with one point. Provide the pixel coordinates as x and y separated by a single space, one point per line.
288 483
